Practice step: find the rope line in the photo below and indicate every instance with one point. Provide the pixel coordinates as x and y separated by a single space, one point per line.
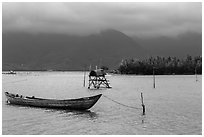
120 103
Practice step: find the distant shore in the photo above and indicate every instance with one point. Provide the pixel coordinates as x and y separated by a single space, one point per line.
108 73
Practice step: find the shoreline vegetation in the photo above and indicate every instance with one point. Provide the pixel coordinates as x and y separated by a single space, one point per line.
161 66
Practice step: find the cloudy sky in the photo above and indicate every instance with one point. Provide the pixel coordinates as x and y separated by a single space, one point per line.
133 19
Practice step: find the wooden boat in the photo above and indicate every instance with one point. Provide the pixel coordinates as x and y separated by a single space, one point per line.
77 104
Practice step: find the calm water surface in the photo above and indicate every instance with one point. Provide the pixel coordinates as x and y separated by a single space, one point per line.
173 107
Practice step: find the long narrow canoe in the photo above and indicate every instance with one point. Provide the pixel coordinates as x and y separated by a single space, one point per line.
77 104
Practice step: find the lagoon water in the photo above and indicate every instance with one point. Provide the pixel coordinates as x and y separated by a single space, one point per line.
173 107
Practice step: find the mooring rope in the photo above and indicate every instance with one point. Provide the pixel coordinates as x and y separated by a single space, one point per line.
120 103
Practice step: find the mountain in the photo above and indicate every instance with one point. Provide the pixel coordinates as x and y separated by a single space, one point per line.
181 46
23 51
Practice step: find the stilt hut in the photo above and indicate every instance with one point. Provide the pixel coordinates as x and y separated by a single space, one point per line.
97 79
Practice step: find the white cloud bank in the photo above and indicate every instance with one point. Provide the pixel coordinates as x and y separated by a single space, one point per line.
135 19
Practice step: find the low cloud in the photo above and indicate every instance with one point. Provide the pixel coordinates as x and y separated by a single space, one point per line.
134 19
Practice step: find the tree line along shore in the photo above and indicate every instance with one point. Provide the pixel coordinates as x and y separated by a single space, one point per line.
161 66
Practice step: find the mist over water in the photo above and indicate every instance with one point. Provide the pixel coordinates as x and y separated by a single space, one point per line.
173 107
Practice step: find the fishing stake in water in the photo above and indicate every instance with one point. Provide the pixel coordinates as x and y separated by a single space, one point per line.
143 106
153 78
84 75
196 74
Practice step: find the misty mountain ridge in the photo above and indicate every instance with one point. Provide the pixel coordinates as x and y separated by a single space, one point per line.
62 52
184 44
22 51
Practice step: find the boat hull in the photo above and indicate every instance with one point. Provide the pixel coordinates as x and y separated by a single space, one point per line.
77 104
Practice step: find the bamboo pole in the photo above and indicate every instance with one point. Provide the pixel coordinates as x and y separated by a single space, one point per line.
143 106
84 76
90 68
196 74
154 84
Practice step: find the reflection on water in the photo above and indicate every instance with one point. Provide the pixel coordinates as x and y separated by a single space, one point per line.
64 113
80 113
